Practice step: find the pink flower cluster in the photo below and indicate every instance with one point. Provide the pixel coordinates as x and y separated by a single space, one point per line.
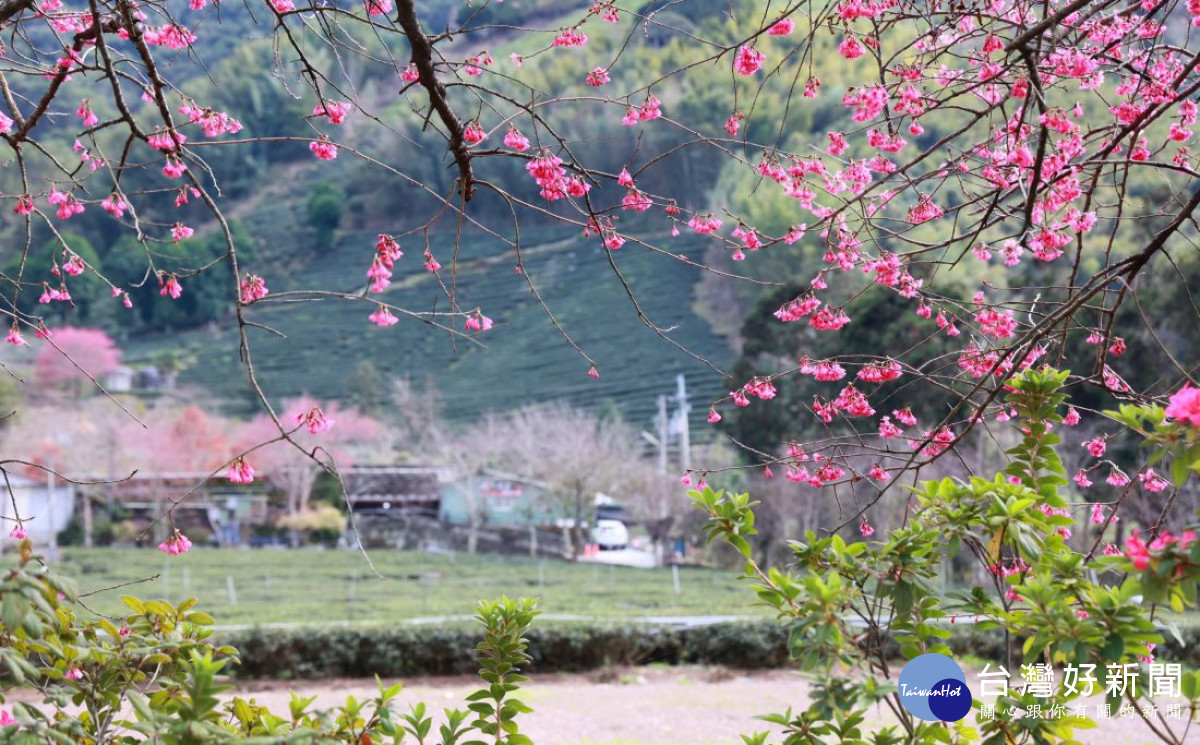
334 111
253 289
516 140
1184 405
166 141
240 472
68 205
829 319
172 36
14 336
826 371
650 109
549 174
597 77
314 420
478 322
570 37
1141 553
383 317
176 544
748 60
880 372
387 251
323 149
473 133
214 123
169 287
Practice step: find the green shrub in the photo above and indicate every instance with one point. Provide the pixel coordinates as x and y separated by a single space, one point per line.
315 652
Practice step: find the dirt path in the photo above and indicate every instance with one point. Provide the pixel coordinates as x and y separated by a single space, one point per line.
643 706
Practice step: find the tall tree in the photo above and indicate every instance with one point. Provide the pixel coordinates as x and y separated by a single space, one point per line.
577 455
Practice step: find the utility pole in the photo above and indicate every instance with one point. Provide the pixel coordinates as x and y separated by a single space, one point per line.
685 442
663 437
663 434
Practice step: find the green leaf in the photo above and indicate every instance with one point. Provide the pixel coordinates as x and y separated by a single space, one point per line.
1113 648
902 599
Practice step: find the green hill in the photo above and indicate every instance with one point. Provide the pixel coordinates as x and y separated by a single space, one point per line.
525 359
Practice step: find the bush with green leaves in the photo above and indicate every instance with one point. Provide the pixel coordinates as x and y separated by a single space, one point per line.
157 677
845 602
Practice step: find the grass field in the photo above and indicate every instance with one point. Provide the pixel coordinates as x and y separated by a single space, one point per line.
312 586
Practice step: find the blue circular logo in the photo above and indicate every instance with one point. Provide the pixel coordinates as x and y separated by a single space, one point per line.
933 688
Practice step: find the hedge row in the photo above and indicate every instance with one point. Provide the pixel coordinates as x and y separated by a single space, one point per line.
410 651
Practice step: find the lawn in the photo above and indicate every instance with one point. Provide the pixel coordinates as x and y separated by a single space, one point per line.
317 587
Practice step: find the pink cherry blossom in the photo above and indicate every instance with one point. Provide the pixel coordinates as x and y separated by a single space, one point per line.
748 60
851 48
383 317
176 544
323 149
1098 515
516 141
1117 478
887 430
650 109
478 322
334 111
86 115
473 134
705 224
253 289
782 27
314 420
597 77
115 205
570 37
1152 482
1137 551
24 205
1184 405
240 472
170 287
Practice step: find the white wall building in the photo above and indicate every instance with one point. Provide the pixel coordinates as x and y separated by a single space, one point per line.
41 510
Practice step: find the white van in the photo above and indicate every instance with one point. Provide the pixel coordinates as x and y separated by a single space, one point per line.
610 535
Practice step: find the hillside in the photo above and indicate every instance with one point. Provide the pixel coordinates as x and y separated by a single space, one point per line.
525 359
